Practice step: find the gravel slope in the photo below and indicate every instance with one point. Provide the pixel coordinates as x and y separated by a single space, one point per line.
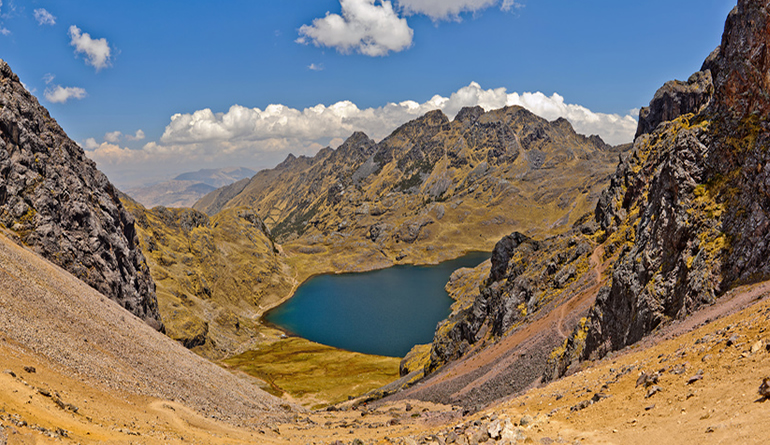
47 313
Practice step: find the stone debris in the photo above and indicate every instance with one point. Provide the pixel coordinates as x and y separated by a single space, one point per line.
696 377
764 388
647 379
653 390
489 431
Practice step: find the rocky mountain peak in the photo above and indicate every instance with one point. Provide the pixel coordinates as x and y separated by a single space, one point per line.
53 199
468 115
674 99
429 123
685 219
358 144
692 197
6 72
290 158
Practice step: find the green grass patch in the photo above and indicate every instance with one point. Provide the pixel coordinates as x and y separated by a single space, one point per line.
314 374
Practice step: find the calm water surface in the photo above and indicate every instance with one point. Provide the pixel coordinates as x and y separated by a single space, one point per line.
384 312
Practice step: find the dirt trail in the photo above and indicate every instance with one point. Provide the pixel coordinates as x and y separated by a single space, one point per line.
598 267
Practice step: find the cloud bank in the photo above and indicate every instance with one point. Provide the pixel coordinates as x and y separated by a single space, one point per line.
370 27
97 51
342 118
262 137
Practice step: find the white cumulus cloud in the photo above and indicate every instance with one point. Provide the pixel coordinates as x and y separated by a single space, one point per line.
97 51
138 136
44 17
370 27
90 144
240 123
113 136
5 31
58 94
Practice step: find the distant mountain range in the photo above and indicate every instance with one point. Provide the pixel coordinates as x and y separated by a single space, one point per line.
187 188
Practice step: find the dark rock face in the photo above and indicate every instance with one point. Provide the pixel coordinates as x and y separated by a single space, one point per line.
740 66
672 266
524 276
57 202
502 253
674 99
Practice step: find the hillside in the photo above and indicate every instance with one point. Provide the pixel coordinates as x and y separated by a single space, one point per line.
215 276
97 367
129 384
684 221
342 211
430 191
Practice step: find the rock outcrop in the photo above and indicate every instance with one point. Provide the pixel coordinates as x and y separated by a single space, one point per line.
693 198
56 201
674 99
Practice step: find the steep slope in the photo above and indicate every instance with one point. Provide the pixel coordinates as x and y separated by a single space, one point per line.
430 191
684 220
703 219
54 199
215 276
87 352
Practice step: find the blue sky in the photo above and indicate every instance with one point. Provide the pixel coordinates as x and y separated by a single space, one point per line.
129 66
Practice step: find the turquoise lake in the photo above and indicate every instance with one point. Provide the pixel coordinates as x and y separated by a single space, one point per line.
383 312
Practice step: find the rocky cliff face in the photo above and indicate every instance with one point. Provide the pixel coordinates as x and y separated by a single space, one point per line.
694 197
56 201
686 217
